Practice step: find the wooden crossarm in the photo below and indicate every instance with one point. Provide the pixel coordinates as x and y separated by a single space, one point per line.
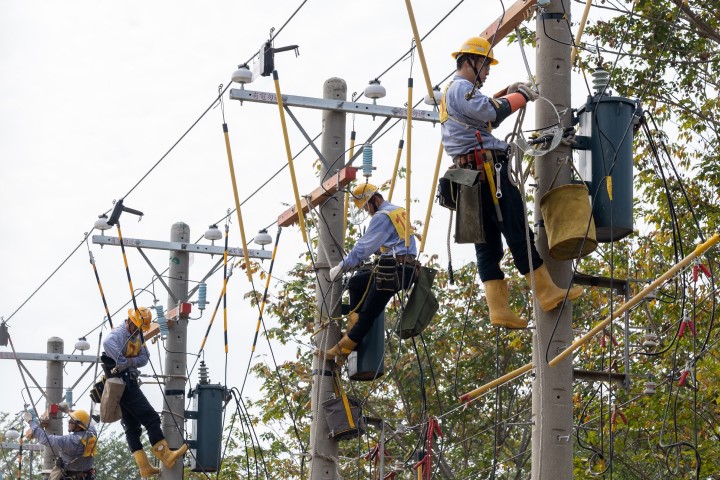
329 188
513 17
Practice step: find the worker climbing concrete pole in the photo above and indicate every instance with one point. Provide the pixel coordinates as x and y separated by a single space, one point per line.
552 408
324 450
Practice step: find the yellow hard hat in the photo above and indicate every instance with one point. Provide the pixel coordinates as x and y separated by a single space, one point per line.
362 193
81 418
141 318
477 46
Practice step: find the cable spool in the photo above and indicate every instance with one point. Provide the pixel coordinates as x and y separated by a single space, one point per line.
202 296
160 317
367 160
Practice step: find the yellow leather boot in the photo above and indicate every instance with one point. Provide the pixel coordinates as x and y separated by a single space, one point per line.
549 295
162 452
496 293
146 470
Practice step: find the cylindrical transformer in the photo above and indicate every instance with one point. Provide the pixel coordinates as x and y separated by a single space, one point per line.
367 362
206 430
606 162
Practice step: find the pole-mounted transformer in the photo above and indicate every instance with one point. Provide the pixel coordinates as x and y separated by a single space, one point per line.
205 440
605 142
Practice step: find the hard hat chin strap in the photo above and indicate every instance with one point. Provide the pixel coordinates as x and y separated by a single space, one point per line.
478 80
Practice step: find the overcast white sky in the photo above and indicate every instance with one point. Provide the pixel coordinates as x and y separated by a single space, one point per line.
94 92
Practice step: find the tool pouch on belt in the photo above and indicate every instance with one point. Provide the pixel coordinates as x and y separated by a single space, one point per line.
447 193
386 275
97 390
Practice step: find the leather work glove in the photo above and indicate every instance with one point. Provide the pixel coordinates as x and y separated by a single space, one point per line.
513 87
336 271
528 92
30 416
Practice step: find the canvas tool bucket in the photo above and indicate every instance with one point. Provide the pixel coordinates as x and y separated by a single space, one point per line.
344 417
569 225
110 402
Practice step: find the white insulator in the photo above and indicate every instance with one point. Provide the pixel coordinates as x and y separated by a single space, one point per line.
650 340
650 388
601 80
213 233
12 435
263 238
82 344
435 100
242 75
375 90
101 223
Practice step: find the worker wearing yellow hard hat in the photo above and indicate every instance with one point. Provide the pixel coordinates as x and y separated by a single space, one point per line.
467 118
124 353
75 451
371 290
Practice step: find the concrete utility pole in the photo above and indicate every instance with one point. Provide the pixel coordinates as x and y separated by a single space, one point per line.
552 446
323 454
173 418
54 393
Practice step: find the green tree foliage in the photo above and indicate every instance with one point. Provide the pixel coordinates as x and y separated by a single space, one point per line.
669 61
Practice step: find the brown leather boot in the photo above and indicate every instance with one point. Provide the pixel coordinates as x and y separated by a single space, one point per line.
162 451
549 295
496 293
146 470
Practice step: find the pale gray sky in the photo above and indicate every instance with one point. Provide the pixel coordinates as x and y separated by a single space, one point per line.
94 92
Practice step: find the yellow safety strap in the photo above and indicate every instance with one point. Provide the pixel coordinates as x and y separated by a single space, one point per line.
343 395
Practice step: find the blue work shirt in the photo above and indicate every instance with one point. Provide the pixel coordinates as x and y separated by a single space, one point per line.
465 116
125 348
76 449
380 233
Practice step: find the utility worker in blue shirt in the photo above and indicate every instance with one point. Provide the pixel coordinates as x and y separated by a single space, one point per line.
395 271
467 118
124 353
75 451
